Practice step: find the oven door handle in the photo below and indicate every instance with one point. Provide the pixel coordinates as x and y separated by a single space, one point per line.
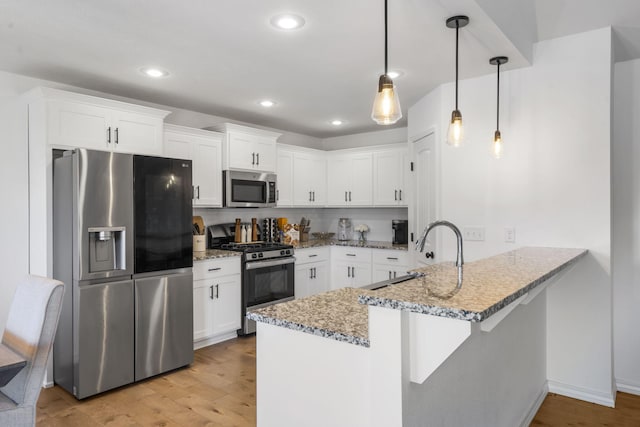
261 264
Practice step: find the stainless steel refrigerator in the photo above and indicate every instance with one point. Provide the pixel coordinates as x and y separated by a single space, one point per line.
120 248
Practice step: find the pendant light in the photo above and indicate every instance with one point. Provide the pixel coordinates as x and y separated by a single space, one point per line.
497 147
386 106
455 135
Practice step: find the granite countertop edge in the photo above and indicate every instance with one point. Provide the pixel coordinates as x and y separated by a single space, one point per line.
325 333
461 314
372 244
214 254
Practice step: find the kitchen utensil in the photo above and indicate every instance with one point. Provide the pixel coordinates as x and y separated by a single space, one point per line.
197 220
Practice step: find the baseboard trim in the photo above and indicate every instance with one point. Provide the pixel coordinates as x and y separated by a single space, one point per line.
588 395
535 407
628 387
214 340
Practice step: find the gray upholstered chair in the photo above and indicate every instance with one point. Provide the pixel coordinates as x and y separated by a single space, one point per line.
30 329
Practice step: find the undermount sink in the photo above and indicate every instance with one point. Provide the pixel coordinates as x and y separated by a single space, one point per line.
394 281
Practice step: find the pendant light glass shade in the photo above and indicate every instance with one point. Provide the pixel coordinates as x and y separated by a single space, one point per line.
455 135
386 106
497 146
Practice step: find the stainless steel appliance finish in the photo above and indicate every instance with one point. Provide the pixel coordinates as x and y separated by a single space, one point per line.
104 341
163 323
93 256
116 327
249 189
268 275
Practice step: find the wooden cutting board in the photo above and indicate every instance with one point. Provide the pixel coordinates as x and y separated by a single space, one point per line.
199 221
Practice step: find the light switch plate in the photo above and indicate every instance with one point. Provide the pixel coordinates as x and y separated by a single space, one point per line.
473 234
510 234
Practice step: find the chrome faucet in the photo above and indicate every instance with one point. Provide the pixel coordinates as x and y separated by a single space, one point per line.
459 258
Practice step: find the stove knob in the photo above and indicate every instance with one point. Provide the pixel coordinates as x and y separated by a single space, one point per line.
282 252
260 255
288 252
254 256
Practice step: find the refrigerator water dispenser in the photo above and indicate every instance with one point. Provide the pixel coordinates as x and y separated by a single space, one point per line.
106 249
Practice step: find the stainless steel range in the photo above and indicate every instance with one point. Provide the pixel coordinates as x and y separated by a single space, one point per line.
267 276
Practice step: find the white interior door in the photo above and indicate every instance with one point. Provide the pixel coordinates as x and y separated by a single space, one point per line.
425 187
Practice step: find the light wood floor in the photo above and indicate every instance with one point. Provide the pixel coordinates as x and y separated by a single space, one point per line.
219 390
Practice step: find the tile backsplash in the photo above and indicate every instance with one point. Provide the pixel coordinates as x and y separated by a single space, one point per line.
322 219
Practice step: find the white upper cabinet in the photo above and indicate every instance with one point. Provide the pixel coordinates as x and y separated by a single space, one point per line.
284 172
389 170
350 179
204 149
76 120
246 148
310 183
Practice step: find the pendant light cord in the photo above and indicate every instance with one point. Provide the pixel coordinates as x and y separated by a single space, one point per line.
385 38
457 28
498 101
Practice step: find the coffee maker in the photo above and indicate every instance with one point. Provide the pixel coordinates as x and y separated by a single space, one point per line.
399 231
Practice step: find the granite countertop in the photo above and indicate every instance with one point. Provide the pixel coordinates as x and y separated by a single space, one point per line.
488 285
352 243
214 253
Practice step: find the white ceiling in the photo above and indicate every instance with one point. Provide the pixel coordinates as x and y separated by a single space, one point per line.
224 56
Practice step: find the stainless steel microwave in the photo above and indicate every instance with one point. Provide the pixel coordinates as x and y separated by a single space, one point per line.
249 189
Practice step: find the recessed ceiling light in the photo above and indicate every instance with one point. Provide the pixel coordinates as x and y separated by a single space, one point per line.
267 103
287 21
337 122
154 72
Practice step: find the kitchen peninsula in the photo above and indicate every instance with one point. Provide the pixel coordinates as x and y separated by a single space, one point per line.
417 353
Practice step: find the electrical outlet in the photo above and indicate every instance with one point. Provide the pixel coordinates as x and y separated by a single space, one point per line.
473 234
510 234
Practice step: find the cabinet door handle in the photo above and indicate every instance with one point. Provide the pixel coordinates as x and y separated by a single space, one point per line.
109 135
394 274
392 258
313 255
389 275
348 271
217 292
215 269
311 273
314 196
211 291
349 195
314 273
309 195
396 195
253 158
353 272
258 159
351 254
345 197
400 195
198 187
117 132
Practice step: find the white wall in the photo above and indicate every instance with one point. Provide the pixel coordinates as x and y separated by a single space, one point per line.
626 225
553 186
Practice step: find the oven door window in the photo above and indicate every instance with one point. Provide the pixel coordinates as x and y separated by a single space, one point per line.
246 191
268 284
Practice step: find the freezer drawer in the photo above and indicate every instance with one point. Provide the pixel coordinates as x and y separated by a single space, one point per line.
164 323
104 341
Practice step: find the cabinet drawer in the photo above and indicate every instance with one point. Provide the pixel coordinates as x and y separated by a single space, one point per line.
351 253
305 256
217 267
390 257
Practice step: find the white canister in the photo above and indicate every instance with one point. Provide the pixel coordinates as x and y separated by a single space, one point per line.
199 243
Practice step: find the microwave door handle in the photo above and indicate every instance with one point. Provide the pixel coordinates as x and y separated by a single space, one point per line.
261 264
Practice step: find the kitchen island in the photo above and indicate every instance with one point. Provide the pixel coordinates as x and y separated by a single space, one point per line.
417 353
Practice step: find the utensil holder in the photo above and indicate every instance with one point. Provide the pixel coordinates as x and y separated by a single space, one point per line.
199 243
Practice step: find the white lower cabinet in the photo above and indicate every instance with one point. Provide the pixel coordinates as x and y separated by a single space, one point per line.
312 271
389 264
216 300
350 267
